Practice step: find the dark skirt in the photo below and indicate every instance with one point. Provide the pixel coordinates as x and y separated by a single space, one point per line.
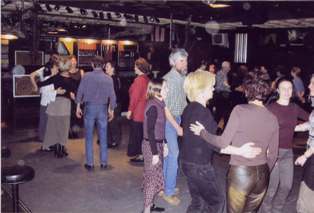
153 180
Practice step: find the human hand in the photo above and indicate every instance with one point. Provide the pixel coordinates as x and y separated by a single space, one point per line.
110 115
180 131
79 112
249 151
60 91
128 115
166 150
300 160
155 160
196 128
72 95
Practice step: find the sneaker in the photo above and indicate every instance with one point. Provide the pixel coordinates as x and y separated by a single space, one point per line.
172 199
176 192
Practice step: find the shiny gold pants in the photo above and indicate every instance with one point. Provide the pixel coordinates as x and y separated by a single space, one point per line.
247 186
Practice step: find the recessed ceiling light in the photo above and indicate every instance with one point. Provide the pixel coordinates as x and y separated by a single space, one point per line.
9 36
219 5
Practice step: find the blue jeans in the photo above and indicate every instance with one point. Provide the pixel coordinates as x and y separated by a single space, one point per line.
95 113
171 161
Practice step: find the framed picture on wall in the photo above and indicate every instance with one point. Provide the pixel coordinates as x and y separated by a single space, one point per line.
22 87
24 57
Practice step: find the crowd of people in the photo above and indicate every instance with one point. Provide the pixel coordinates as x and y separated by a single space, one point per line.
241 113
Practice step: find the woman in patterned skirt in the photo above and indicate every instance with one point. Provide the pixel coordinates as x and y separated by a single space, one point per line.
154 146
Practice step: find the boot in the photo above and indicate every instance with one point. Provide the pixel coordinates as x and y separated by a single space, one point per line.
58 151
64 151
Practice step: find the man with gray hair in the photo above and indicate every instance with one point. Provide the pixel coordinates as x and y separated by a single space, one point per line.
175 104
222 93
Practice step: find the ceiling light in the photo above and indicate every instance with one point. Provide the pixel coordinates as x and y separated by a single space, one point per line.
61 30
48 7
52 32
95 14
9 36
118 15
69 10
109 16
83 12
57 7
219 5
101 15
136 18
107 42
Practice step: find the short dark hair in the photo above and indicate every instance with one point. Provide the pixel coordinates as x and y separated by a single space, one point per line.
256 87
282 79
142 65
112 63
97 61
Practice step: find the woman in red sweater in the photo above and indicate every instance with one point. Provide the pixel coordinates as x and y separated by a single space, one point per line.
137 104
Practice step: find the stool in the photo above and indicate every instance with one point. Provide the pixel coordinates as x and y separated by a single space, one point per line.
15 175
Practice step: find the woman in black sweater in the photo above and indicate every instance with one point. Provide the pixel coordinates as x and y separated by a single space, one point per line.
59 111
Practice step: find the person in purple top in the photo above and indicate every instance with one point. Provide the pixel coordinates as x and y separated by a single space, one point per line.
281 177
95 90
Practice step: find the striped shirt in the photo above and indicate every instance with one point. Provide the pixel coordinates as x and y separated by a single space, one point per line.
176 98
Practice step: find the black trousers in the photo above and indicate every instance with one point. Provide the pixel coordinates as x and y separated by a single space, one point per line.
114 127
223 106
135 138
205 193
247 186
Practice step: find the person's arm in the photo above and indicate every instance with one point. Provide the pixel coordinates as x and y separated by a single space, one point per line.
51 80
112 96
302 114
173 122
79 97
303 158
225 139
135 93
272 153
247 150
33 76
303 127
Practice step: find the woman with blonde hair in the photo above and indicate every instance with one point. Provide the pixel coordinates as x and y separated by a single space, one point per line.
195 153
247 179
59 111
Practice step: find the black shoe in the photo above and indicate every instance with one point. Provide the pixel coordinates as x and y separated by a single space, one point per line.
137 160
154 208
58 151
64 151
88 167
